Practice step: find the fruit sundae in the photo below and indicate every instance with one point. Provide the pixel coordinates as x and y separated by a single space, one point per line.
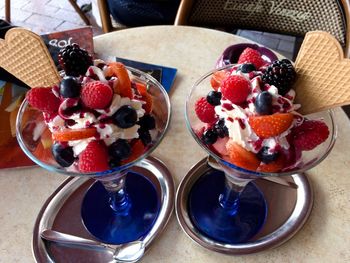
249 117
97 118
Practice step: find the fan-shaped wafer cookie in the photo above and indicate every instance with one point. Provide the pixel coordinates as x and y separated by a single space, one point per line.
323 80
24 55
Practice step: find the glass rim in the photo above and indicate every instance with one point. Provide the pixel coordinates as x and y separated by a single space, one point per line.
113 171
256 174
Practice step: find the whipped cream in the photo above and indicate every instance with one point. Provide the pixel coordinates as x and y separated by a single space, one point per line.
236 117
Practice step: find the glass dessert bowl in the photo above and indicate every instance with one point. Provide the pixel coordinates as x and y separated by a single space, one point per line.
122 205
226 206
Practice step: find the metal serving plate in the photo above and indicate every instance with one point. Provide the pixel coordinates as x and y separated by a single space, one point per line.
61 212
288 210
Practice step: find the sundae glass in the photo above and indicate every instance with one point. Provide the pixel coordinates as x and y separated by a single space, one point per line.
121 206
226 206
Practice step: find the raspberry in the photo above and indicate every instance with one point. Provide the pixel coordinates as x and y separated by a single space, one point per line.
310 134
253 56
43 99
94 158
236 89
205 111
96 95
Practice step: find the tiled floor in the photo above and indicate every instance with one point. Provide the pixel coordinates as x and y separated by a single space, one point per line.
44 16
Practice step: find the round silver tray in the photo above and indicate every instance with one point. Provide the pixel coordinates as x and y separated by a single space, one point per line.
61 212
288 209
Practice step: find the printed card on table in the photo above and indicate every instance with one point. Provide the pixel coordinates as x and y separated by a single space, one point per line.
165 75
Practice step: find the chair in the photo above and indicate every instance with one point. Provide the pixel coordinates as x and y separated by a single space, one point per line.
134 13
294 18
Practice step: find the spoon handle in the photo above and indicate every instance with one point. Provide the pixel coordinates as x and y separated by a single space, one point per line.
73 241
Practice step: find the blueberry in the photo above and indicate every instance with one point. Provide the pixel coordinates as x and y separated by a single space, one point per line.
147 122
220 128
125 117
214 97
247 67
113 162
263 103
70 87
145 136
209 137
119 150
63 155
266 156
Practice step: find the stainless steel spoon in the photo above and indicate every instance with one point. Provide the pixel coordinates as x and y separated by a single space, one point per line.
124 253
278 180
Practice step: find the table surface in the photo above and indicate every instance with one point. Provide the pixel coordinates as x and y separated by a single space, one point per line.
193 51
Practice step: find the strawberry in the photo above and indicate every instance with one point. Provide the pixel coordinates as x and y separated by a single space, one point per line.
253 56
236 88
94 158
123 88
271 125
205 111
217 79
241 157
137 149
274 166
43 99
146 97
310 134
73 134
96 95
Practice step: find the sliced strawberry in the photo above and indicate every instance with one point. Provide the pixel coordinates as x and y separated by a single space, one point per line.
242 157
137 149
217 79
271 125
274 166
146 97
123 88
74 134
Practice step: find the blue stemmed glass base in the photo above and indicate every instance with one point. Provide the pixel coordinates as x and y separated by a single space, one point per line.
115 228
219 224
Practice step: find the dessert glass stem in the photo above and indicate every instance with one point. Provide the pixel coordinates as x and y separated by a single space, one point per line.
118 198
229 199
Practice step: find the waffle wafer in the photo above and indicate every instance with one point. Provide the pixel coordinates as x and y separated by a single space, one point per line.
24 55
323 73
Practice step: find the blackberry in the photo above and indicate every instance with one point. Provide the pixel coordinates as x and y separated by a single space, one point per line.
74 60
220 128
281 74
145 136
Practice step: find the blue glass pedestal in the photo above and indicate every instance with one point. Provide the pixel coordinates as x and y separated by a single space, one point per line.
112 227
221 224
